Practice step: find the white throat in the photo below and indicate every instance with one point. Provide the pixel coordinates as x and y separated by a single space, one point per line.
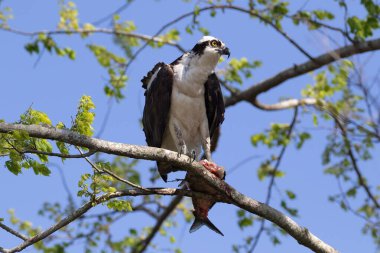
195 69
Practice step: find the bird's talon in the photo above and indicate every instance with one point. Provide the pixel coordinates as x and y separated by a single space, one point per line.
184 184
193 156
182 150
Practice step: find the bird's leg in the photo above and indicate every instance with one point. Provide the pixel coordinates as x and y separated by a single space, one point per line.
182 149
208 163
206 143
179 141
193 155
206 140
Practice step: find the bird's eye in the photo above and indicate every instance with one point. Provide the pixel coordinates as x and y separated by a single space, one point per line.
214 43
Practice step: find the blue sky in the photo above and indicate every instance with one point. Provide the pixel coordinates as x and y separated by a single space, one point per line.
56 84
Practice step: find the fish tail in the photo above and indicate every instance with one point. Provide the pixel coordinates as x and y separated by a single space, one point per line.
199 222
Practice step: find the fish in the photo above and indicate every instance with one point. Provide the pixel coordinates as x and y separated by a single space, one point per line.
202 205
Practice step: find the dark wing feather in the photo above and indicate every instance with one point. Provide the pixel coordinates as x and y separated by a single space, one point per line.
214 103
157 103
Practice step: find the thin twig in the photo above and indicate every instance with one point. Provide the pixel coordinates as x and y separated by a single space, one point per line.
72 204
134 208
318 23
95 30
272 179
13 232
143 244
38 152
83 209
106 118
215 7
351 155
111 173
109 16
348 205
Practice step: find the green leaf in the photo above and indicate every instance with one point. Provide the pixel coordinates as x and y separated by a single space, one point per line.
68 17
32 47
85 117
39 168
315 120
120 205
367 210
290 194
32 116
291 211
13 166
302 138
322 14
245 222
351 192
275 240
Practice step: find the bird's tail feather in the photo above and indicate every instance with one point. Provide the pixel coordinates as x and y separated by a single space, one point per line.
199 222
164 169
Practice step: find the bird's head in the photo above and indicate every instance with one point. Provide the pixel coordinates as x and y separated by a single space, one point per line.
210 47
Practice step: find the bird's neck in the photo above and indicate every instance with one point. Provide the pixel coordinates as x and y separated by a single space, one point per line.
197 68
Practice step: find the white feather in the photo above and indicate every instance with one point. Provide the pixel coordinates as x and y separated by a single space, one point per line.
209 38
206 38
187 110
153 77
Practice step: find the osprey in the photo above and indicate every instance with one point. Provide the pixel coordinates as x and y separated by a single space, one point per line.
184 107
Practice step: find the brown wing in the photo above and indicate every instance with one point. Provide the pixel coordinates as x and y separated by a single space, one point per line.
158 84
214 103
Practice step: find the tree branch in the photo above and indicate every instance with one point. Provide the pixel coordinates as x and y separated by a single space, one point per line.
96 30
231 195
319 23
104 170
251 12
350 153
273 177
38 152
251 93
286 104
142 245
112 14
13 232
256 14
83 209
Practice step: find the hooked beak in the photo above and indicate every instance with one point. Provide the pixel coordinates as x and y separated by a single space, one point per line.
225 51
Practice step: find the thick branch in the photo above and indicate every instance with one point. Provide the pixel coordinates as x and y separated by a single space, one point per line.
251 93
301 234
